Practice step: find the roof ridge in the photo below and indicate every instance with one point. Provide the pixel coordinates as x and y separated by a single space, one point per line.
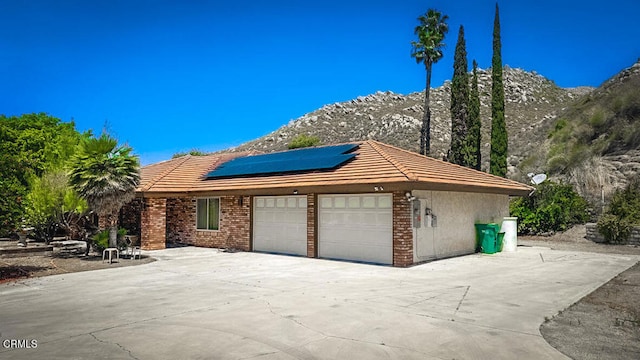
153 181
403 169
449 163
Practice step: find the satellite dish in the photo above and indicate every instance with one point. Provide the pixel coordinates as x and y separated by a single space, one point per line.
538 179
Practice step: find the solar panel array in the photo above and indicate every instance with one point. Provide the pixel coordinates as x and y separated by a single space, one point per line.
299 160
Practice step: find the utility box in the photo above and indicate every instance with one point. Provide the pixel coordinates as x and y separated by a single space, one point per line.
415 211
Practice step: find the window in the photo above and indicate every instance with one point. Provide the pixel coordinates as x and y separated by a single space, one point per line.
208 214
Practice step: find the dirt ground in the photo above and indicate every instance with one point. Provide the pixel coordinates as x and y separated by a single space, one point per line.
16 268
604 324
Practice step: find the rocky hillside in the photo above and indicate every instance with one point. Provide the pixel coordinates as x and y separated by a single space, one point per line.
532 106
595 142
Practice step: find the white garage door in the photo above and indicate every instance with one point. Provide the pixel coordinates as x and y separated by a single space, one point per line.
280 224
356 227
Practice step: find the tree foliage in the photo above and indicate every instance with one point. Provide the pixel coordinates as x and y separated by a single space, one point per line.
499 140
106 176
30 145
553 207
459 103
52 205
302 141
473 158
192 152
430 31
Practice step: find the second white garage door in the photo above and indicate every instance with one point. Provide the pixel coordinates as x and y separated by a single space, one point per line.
356 227
280 224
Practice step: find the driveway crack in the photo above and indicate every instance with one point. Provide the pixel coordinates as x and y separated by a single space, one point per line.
461 300
325 335
114 343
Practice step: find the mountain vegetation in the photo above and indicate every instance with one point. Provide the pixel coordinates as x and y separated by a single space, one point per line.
303 140
595 142
532 104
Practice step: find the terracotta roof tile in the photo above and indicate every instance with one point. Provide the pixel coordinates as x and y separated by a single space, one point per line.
375 163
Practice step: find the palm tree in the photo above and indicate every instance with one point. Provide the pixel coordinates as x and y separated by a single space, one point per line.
428 50
106 176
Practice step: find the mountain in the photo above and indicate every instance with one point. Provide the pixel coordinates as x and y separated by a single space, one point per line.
595 142
532 105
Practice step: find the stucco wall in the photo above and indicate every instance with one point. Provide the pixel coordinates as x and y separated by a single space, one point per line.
456 212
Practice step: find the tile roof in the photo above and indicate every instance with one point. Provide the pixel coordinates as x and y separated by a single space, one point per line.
375 164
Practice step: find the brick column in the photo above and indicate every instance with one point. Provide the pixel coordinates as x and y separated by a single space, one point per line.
236 212
311 226
153 224
402 231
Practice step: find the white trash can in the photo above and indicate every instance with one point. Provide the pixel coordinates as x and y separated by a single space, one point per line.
510 229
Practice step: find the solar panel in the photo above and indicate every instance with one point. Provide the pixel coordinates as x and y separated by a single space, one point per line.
299 160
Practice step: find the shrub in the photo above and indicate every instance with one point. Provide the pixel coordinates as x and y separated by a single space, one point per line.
626 203
553 207
303 140
614 229
623 213
101 241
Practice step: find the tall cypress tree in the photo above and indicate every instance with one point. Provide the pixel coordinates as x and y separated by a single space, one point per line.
499 146
474 138
459 102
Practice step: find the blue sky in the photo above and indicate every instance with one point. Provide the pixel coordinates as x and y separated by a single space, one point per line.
169 76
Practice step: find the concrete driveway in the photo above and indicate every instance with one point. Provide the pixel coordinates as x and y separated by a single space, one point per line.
199 303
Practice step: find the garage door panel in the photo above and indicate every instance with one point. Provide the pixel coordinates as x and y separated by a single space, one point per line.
356 227
280 224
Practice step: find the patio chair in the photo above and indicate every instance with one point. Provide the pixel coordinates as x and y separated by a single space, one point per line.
132 250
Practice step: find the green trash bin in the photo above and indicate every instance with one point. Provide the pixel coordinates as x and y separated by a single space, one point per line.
479 236
500 241
489 241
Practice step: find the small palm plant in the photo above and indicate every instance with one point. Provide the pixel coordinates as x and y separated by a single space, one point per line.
106 176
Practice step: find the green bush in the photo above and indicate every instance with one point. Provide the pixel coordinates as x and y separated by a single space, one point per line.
623 213
614 229
553 207
303 140
101 241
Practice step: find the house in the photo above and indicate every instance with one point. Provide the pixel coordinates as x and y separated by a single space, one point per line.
364 201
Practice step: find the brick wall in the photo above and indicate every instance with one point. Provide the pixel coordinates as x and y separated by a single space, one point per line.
181 220
402 231
311 226
235 225
130 216
153 224
595 236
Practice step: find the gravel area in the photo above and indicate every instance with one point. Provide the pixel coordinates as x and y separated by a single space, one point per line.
604 324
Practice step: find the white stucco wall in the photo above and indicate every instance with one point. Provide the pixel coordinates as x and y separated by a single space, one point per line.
456 212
